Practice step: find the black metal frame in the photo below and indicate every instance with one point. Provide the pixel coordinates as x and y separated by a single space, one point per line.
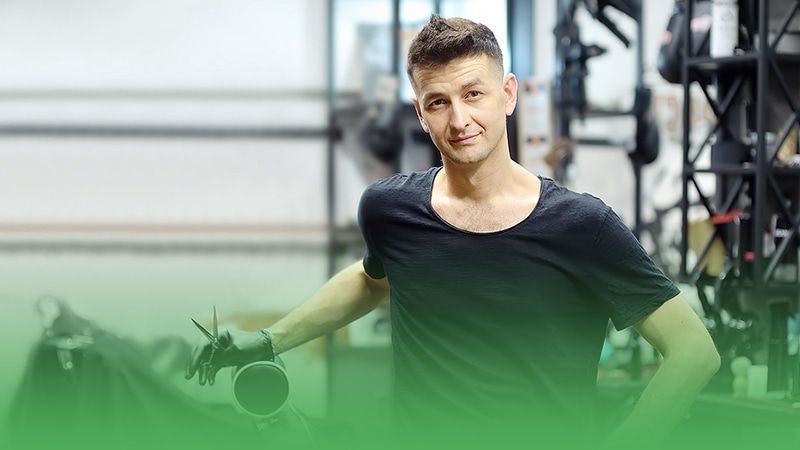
758 177
761 172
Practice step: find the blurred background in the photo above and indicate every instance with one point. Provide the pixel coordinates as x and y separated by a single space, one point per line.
158 159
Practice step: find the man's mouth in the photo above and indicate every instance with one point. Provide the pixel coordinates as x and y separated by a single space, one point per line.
464 140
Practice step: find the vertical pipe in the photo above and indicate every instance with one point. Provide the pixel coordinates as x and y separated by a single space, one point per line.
330 157
396 38
637 166
636 350
777 351
396 65
778 347
762 169
330 184
687 166
519 26
640 47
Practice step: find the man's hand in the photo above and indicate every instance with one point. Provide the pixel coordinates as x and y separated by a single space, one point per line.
236 348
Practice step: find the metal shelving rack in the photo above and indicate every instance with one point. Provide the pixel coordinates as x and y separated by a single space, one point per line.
752 189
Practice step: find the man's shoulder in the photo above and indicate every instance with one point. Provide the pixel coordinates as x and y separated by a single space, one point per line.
404 197
399 183
564 199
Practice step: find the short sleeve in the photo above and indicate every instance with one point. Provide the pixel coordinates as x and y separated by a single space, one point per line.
624 276
367 213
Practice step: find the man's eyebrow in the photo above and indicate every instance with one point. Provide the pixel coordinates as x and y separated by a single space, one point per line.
471 84
429 95
466 86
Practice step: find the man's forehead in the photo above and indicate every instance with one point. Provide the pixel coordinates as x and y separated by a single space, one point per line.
464 72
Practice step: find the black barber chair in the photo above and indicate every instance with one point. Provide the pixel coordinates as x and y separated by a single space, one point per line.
83 387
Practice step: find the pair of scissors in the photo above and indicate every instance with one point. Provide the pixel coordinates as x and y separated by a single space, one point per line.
212 336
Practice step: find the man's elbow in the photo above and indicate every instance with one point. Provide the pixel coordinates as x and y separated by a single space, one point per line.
701 360
712 361
704 361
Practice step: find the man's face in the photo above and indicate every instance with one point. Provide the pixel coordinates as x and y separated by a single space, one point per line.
463 106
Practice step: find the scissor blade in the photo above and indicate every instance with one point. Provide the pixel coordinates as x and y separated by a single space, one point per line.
215 329
205 332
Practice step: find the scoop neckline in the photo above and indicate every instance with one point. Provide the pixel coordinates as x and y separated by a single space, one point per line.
429 200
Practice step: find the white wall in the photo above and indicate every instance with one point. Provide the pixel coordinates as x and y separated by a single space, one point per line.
199 44
70 206
200 64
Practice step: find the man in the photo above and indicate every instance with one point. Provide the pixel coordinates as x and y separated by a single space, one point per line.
501 282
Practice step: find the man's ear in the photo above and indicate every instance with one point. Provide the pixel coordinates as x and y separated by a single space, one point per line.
510 88
419 116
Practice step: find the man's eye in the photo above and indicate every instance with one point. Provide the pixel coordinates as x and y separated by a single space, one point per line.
437 102
473 94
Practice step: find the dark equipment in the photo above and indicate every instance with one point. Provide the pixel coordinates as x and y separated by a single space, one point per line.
673 43
570 93
83 387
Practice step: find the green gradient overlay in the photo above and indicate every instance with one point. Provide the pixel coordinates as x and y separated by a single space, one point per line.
290 434
133 413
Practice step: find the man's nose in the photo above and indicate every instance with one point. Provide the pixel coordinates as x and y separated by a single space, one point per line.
459 117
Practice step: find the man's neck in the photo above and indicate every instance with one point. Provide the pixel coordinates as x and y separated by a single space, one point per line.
485 201
478 182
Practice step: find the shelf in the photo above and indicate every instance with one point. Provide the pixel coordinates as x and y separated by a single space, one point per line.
742 170
787 59
774 287
707 63
726 170
747 59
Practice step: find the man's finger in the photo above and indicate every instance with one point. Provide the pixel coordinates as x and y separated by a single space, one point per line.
191 368
202 374
194 361
200 354
212 374
189 372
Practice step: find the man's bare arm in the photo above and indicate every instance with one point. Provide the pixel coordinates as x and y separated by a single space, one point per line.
690 360
347 296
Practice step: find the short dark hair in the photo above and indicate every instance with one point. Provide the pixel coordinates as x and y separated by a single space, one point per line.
443 40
